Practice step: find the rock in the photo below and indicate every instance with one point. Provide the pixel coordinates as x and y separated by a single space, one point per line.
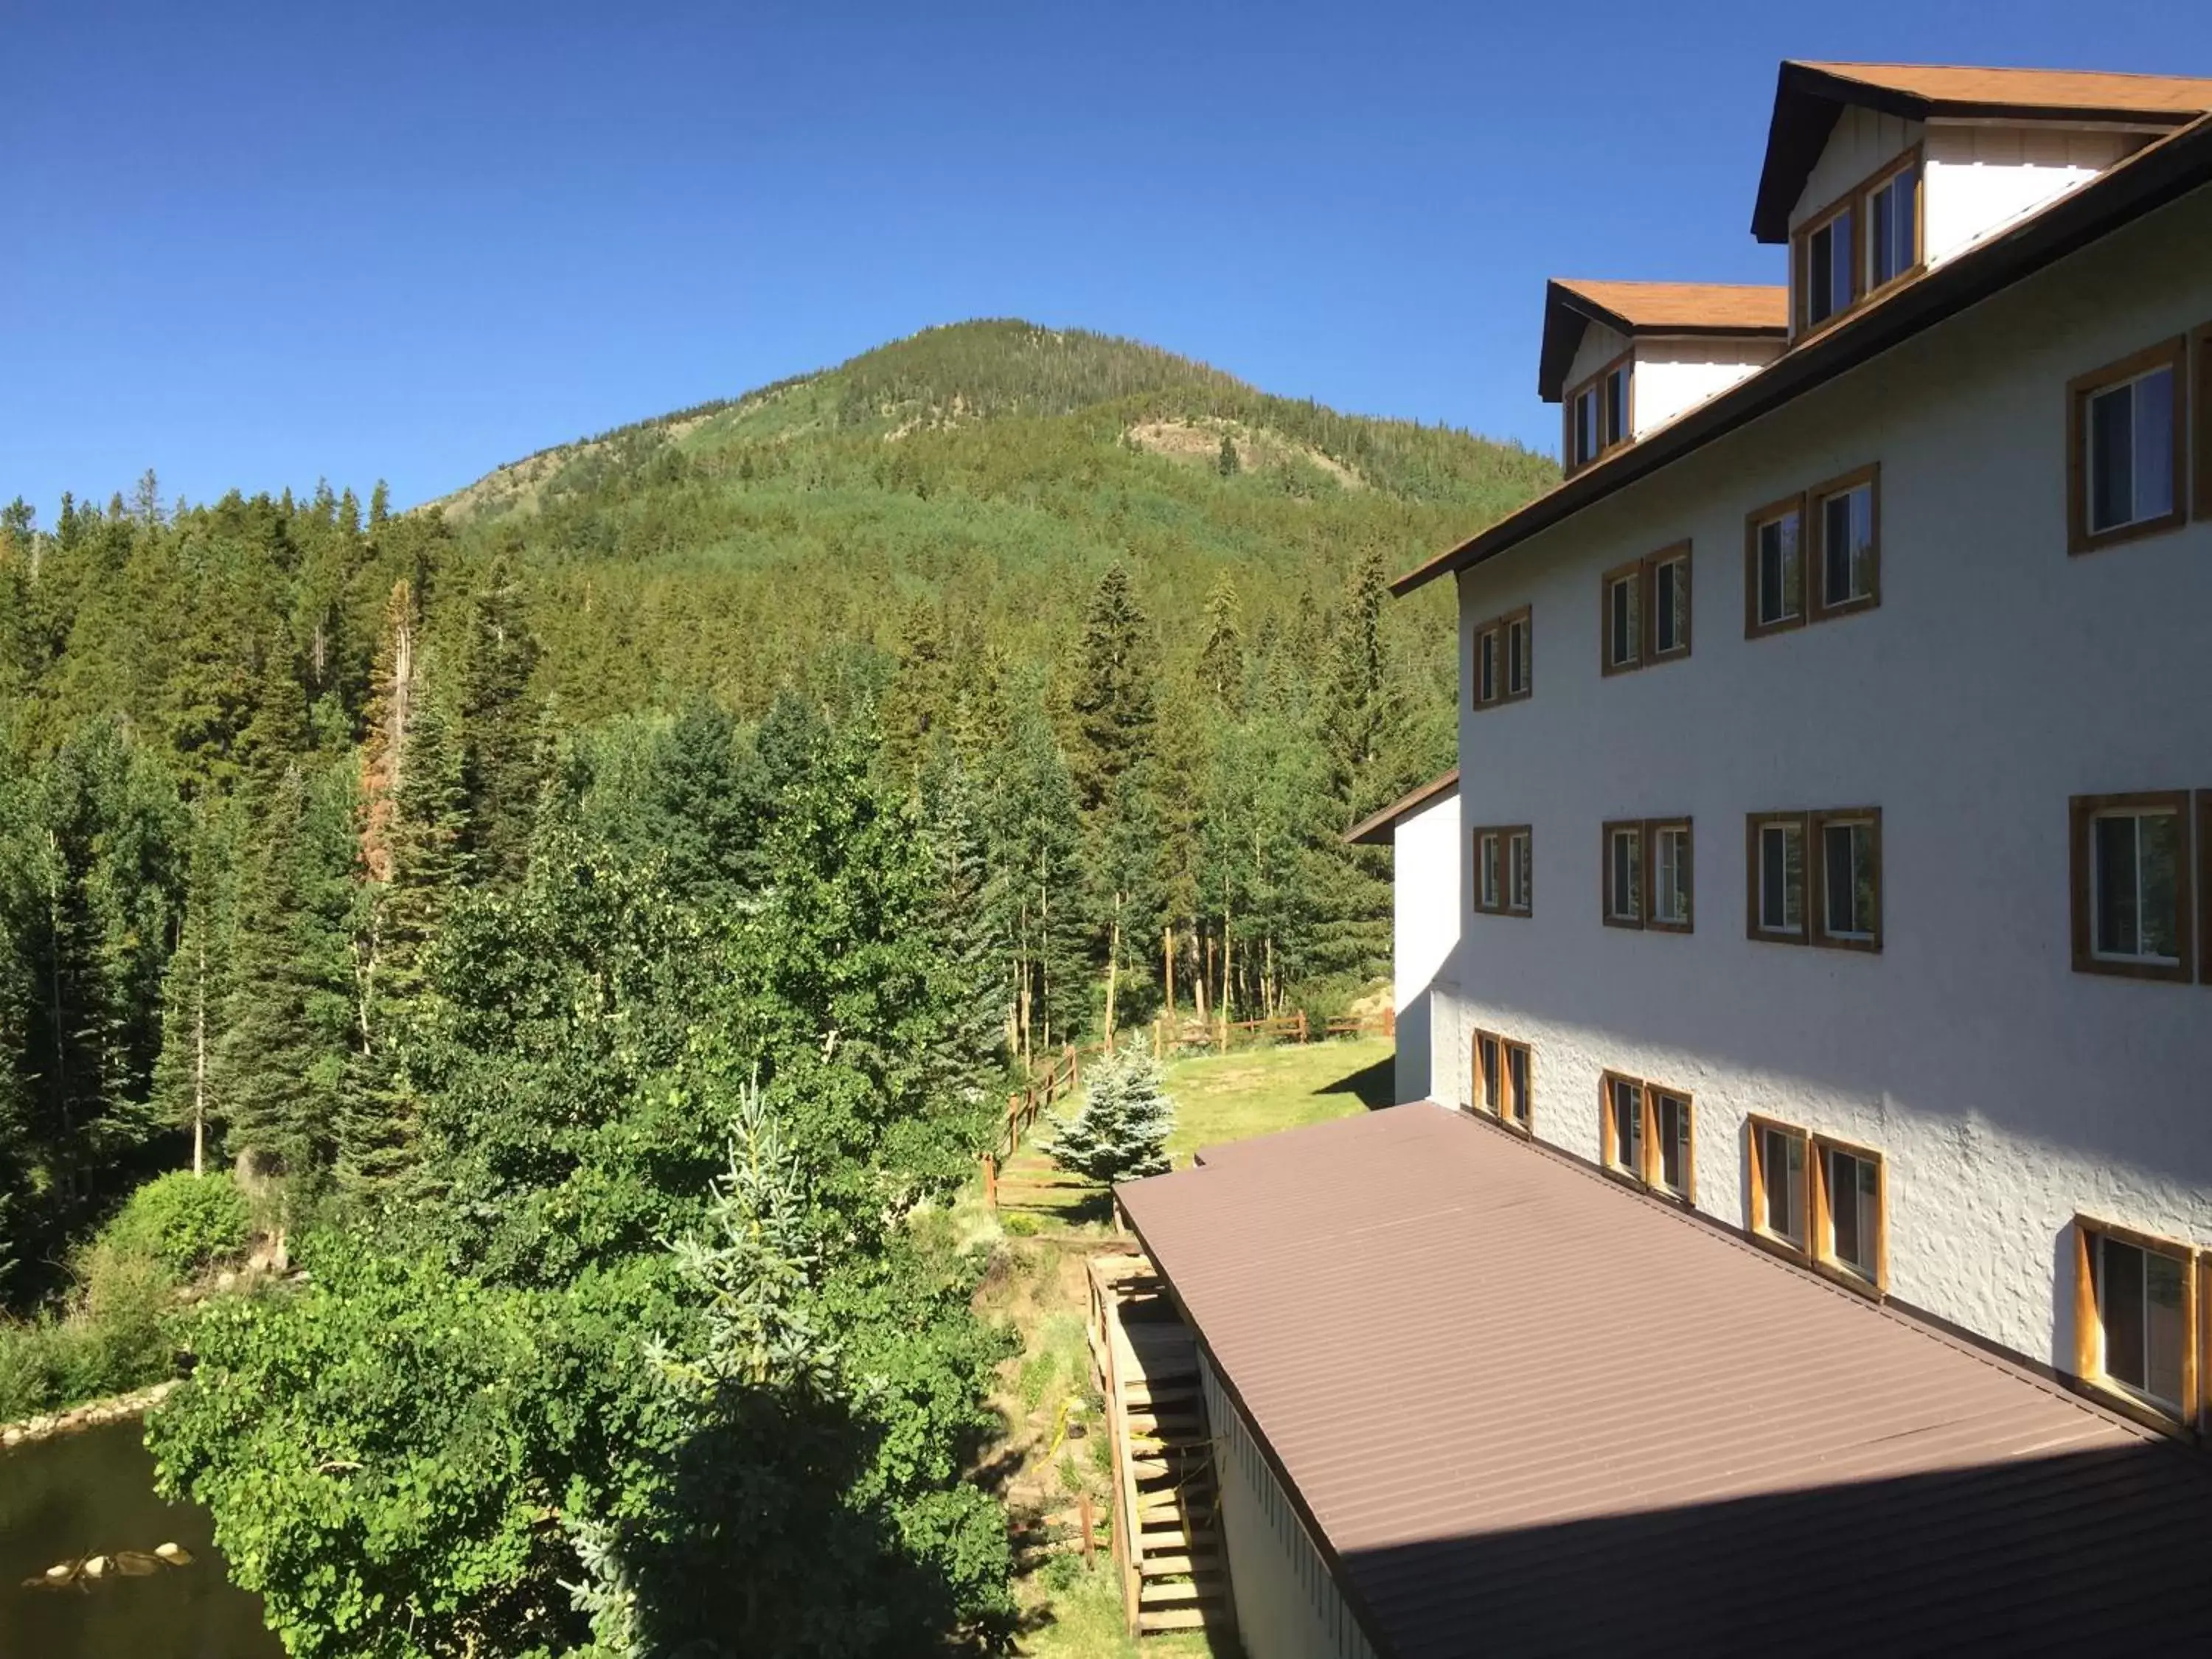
96 1567
176 1554
135 1564
62 1571
11 1436
225 1280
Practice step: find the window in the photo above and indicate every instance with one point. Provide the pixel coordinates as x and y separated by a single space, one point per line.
1892 224
1647 873
1645 1131
1645 611
1774 568
1520 873
1624 618
1520 671
1777 854
1600 413
1827 264
1505 666
1778 1182
1501 1078
2203 392
1672 864
1503 875
2135 1316
1846 852
1624 875
1846 520
1849 1233
1489 1074
2125 427
1815 877
2131 881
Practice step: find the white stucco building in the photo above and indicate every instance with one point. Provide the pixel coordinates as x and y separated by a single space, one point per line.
1837 744
1422 831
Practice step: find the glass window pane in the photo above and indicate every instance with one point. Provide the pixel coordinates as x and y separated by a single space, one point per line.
1905 204
1624 621
1516 656
2159 861
1844 289
1836 549
1881 227
1628 1127
1771 607
1667 601
2165 1327
1847 878
2112 459
1781 879
1616 412
1516 1068
2118 924
1672 1128
1843 1208
1820 291
1491 1077
1782 1168
2120 1300
2153 445
1485 677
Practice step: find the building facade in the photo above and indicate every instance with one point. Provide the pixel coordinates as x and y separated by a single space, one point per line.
1836 753
1422 831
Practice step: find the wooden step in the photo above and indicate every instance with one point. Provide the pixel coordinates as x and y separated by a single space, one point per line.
1184 1594
1164 1619
1182 1564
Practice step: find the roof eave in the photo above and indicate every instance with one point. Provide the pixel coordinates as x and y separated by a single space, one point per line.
2155 176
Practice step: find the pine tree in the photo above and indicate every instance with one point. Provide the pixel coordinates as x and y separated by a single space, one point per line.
1038 891
1226 463
502 754
975 1040
705 806
1221 656
1121 1131
1113 696
379 505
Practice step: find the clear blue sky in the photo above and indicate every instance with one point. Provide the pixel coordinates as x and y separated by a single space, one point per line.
256 245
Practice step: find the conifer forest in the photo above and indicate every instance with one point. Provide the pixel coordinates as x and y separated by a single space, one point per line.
591 923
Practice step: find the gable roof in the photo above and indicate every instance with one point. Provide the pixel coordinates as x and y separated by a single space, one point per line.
1509 1396
1375 830
1633 309
1808 97
2161 173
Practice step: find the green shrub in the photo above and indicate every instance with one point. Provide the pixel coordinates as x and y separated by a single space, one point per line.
27 1368
1022 1225
184 1221
118 1336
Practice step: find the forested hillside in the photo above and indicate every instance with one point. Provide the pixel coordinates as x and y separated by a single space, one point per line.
588 919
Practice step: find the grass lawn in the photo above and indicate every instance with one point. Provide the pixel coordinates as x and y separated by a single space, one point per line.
1055 1446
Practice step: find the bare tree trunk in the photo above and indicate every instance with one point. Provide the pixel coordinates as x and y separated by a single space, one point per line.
1113 968
1228 975
1167 968
199 1057
1205 973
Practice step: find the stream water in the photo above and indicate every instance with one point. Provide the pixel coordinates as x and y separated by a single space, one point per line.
92 1494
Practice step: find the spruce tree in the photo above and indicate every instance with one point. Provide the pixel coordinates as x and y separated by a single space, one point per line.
1038 893
189 1081
1121 1131
1113 689
1226 463
974 1043
502 751
1221 655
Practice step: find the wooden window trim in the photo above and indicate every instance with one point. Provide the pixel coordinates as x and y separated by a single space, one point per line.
1913 156
1687 1197
1754 627
1676 552
1475 1103
1496 636
2088 1328
1817 1221
2172 353
1504 832
1599 382
1816 906
1800 252
1813 534
1753 823
1755 1164
1514 1111
2081 811
1634 573
1651 922
1606 833
1506 893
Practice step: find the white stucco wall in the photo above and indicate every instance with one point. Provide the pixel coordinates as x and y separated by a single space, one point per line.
1287 1604
1425 906
1673 376
1998 677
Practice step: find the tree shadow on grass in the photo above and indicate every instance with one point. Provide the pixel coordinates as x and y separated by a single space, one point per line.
1376 1084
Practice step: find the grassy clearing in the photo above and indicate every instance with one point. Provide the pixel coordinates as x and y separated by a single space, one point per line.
1055 1446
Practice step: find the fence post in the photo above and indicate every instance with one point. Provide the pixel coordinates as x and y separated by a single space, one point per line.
1159 1027
1301 1025
1391 1021
1014 1124
1090 1537
1075 1061
990 1181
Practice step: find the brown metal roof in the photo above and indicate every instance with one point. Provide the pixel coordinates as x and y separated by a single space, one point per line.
2161 173
1374 829
1809 96
1571 305
1525 1410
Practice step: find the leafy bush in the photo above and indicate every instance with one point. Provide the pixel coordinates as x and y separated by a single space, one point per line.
183 1221
1020 1225
119 1336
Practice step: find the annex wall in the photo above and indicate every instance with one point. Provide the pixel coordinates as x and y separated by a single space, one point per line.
1997 677
1426 906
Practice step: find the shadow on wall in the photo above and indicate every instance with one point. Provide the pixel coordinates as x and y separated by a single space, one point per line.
2086 1552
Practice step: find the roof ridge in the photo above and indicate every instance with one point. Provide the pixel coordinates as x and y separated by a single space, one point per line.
1836 64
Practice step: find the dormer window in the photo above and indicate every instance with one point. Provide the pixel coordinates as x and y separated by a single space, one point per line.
1825 268
1893 219
1600 415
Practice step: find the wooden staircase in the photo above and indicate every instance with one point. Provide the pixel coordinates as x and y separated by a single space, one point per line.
1166 1535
